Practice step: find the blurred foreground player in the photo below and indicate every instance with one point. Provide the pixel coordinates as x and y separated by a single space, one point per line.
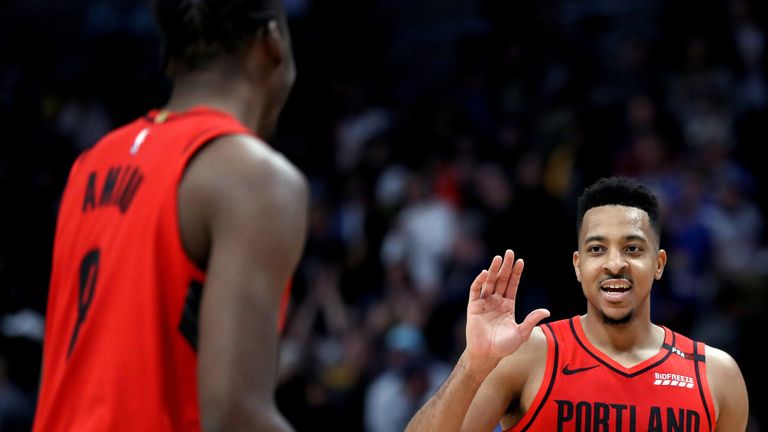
176 237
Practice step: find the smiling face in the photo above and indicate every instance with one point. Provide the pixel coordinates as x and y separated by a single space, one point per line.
617 261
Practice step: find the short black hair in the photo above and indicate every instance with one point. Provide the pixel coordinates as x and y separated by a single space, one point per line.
620 191
195 32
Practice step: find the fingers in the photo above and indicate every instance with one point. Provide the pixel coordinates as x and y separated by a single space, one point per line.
477 285
505 272
510 290
530 322
503 276
489 286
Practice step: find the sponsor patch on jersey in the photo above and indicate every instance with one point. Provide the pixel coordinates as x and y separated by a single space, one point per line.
672 380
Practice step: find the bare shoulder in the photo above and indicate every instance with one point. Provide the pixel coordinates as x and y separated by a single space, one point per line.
505 394
722 369
534 349
728 389
523 369
720 360
523 373
244 160
233 182
242 174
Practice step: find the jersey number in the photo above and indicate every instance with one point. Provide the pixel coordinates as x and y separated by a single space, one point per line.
89 271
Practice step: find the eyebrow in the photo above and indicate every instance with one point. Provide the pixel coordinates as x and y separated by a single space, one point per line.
631 237
594 238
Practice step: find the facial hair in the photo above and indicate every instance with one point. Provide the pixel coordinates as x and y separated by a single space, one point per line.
617 321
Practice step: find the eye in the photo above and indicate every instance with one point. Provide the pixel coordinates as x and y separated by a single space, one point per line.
634 249
595 249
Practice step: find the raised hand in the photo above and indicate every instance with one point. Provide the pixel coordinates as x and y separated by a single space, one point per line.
492 332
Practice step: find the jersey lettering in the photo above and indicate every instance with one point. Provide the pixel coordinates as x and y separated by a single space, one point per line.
89 272
119 188
604 417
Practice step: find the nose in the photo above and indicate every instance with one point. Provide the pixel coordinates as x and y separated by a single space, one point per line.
615 264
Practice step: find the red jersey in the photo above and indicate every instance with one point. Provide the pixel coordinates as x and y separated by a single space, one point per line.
585 390
121 323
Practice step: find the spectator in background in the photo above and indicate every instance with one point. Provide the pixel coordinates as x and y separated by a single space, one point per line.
16 408
409 378
422 235
737 228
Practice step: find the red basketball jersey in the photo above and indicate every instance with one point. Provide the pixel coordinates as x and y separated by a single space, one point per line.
121 324
585 390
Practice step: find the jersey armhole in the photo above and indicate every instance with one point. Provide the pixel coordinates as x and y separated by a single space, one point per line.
700 366
547 381
189 153
188 323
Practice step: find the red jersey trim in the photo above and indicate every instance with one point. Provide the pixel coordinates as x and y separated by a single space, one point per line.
687 349
547 382
188 319
191 150
644 366
179 115
700 367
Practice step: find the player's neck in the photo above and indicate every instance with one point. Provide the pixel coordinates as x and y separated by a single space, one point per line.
219 91
637 334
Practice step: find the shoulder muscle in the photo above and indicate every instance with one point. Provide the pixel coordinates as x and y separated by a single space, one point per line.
239 188
509 386
728 390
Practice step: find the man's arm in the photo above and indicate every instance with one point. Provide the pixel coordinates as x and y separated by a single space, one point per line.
510 389
445 411
492 334
249 206
728 391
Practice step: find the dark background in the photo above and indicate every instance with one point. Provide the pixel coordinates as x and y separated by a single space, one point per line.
434 135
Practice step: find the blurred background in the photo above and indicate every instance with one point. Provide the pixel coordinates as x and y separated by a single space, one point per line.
434 136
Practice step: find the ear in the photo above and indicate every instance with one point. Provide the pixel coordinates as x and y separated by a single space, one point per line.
661 261
267 52
275 43
576 260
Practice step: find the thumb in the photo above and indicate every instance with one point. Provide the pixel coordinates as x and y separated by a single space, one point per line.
530 322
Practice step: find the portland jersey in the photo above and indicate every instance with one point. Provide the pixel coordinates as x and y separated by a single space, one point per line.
121 324
585 390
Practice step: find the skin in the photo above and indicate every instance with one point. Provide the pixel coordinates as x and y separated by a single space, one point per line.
492 334
243 218
499 373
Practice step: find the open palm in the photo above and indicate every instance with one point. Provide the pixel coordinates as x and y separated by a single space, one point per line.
491 328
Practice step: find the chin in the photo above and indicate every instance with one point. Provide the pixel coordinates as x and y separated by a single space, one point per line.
618 319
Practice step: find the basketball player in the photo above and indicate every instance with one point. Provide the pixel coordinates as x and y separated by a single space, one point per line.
176 237
610 369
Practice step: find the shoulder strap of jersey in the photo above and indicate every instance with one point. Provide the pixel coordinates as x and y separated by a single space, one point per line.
547 381
700 367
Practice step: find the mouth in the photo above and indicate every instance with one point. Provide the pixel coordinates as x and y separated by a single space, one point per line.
615 289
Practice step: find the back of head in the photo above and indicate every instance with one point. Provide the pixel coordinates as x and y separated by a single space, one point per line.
197 32
619 191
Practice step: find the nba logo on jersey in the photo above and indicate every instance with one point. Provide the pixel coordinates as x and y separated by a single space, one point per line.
682 354
673 380
139 140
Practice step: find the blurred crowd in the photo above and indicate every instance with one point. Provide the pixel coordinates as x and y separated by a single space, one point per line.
434 137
